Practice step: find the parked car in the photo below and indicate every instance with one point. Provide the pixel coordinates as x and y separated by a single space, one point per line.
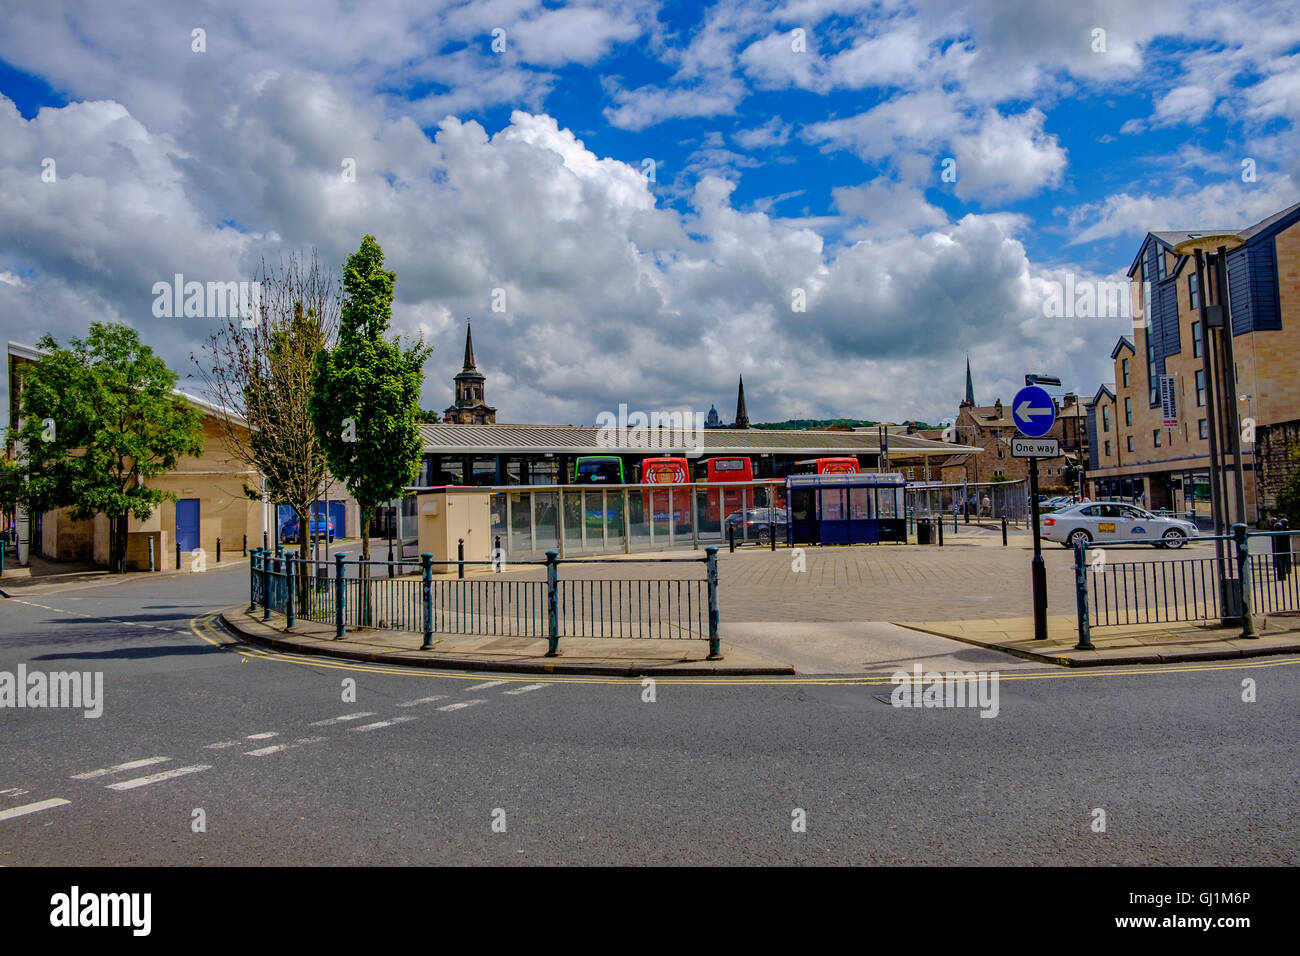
1111 521
759 523
320 528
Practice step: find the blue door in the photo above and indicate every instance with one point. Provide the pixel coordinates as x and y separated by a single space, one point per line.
187 523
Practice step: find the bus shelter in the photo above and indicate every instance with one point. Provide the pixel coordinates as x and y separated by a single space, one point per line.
846 509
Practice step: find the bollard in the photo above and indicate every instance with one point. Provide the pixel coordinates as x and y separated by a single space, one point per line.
151 561
1004 531
771 534
288 583
731 538
954 520
711 563
218 551
390 557
1244 578
496 546
938 522
340 597
426 595
1081 596
265 543
460 557
552 604
252 582
178 555
243 550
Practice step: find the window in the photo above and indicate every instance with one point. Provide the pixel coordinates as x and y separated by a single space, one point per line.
1129 442
1151 370
1155 437
999 452
1124 366
1108 443
1193 290
1200 389
1128 412
1196 338
1160 263
1202 429
1105 419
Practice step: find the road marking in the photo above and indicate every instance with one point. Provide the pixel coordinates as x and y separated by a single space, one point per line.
423 700
463 703
524 690
222 745
383 723
340 720
32 808
487 684
157 777
266 736
132 765
14 792
276 748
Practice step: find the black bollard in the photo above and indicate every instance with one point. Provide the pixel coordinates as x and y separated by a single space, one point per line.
731 537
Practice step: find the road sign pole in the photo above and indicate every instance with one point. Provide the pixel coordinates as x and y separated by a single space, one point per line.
1038 571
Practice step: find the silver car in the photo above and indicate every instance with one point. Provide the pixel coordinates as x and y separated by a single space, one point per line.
1114 521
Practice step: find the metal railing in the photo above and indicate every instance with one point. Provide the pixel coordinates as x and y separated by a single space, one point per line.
404 596
985 501
1187 589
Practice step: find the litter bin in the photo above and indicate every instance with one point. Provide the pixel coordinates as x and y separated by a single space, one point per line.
1281 551
923 530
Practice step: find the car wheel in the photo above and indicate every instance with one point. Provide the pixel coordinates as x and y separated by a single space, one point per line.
1173 538
764 537
1077 536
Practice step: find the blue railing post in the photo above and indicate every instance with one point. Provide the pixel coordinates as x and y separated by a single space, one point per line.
288 597
711 562
266 587
426 595
1081 596
252 581
151 560
552 604
340 596
1243 578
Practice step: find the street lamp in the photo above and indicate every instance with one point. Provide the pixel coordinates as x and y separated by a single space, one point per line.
1211 253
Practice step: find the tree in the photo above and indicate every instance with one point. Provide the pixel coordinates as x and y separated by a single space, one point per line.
366 399
1287 501
264 371
99 420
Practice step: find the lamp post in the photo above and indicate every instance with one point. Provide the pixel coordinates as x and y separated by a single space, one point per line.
1220 387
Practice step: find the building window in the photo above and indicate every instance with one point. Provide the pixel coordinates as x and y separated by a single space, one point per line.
1196 338
1160 263
1124 366
1108 443
999 452
1129 442
1155 437
1193 290
1151 369
1128 412
1200 389
1202 429
1105 419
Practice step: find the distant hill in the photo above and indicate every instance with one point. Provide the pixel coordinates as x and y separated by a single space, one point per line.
821 424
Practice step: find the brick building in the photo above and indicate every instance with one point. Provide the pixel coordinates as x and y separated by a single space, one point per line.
1133 453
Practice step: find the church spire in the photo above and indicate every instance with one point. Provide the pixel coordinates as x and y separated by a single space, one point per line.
742 413
970 386
469 350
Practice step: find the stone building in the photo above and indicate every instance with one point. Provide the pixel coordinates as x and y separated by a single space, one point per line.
470 407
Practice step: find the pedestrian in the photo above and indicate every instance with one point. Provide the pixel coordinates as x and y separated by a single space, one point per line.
986 507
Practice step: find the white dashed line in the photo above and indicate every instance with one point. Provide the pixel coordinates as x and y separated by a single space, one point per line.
485 686
383 723
132 765
423 700
276 748
265 736
32 808
157 777
340 720
524 690
222 745
463 703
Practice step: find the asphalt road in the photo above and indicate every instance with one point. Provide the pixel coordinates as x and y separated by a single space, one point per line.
586 771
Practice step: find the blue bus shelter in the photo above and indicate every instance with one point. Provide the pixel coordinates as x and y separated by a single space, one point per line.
846 509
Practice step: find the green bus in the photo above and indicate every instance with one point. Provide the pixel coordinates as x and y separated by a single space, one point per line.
599 470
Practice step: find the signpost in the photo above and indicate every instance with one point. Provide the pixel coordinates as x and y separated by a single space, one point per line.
1034 413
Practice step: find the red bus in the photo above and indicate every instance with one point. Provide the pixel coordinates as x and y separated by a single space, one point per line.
667 471
825 466
725 501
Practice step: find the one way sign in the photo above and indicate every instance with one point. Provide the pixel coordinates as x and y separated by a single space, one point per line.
1033 412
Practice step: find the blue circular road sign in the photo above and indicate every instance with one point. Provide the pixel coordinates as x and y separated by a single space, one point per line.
1033 412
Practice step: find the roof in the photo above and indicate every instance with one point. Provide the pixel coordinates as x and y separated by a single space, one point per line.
1108 389
583 439
1172 237
1123 342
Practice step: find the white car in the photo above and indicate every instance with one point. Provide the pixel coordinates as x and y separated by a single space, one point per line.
1113 521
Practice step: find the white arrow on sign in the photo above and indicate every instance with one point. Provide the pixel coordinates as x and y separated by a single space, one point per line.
1027 412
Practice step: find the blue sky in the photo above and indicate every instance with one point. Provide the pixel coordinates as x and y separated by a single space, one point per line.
796 147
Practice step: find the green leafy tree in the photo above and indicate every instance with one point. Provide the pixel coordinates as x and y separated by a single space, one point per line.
365 404
1288 495
99 419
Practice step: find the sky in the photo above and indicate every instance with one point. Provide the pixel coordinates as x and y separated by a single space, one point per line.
637 202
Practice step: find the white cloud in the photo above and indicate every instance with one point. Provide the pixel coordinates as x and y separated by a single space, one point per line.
1009 157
